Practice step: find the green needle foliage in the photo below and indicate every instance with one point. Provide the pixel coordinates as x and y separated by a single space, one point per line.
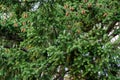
52 39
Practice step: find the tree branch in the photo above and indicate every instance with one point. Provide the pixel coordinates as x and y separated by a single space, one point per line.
111 26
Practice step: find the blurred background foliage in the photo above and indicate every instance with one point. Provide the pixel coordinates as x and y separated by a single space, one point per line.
59 40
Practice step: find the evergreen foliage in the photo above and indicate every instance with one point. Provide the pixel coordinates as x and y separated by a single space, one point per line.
49 39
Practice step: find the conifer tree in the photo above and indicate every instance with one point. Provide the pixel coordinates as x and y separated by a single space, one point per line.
52 39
